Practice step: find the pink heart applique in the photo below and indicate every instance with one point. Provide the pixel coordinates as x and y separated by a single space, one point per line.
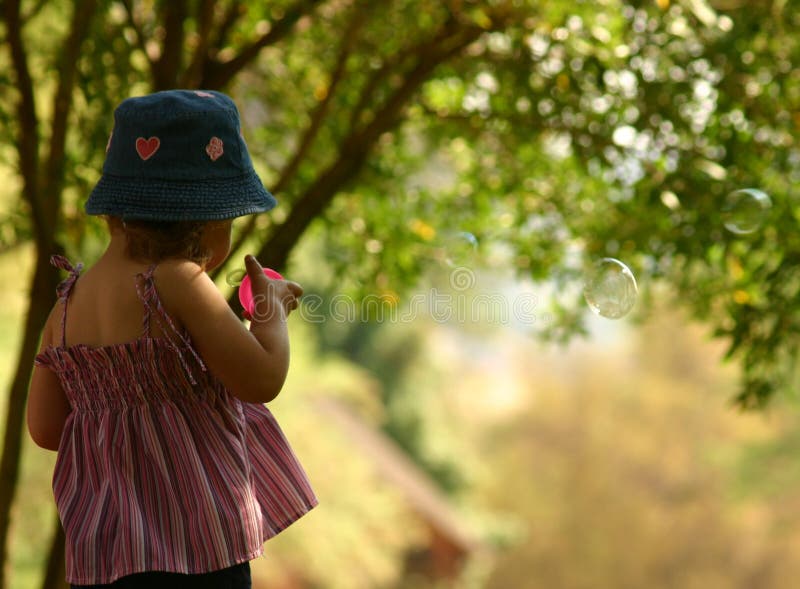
147 147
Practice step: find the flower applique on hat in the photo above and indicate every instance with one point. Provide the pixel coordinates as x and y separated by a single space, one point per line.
178 155
214 148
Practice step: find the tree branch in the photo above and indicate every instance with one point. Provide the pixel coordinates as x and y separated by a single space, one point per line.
397 62
166 68
34 10
232 14
140 37
388 66
28 137
356 147
205 22
218 74
318 116
62 105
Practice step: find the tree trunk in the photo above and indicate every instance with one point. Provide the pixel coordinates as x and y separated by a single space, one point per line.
55 574
45 279
42 191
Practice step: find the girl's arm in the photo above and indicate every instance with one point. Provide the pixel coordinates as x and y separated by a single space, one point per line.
251 364
48 406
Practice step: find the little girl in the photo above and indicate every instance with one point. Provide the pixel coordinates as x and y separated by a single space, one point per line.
170 472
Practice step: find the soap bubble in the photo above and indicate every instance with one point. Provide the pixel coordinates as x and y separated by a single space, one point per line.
459 249
745 210
610 289
235 277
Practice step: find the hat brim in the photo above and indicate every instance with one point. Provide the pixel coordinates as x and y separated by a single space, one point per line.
170 200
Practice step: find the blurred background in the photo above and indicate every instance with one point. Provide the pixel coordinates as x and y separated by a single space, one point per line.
480 398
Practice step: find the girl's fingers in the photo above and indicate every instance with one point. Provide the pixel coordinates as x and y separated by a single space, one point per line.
252 266
294 288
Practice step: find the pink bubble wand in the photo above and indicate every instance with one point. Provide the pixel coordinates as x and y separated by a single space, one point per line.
246 290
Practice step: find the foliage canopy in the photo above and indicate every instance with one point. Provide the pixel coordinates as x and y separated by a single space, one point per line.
564 131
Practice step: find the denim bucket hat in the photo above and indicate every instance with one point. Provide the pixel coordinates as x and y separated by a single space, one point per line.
178 155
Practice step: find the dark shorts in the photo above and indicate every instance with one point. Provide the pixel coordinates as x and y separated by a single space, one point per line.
235 577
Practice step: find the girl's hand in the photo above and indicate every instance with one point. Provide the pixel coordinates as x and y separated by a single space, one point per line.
251 363
272 299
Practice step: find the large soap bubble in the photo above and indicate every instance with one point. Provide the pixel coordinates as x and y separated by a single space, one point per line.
745 210
460 248
610 289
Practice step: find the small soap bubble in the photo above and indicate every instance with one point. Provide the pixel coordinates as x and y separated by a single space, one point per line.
235 277
745 210
610 289
459 249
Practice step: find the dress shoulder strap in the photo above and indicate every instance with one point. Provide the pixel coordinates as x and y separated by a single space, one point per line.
64 289
153 308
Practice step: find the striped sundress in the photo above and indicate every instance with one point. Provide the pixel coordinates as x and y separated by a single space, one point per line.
159 467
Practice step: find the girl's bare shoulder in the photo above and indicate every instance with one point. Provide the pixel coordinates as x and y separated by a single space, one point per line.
181 271
185 288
